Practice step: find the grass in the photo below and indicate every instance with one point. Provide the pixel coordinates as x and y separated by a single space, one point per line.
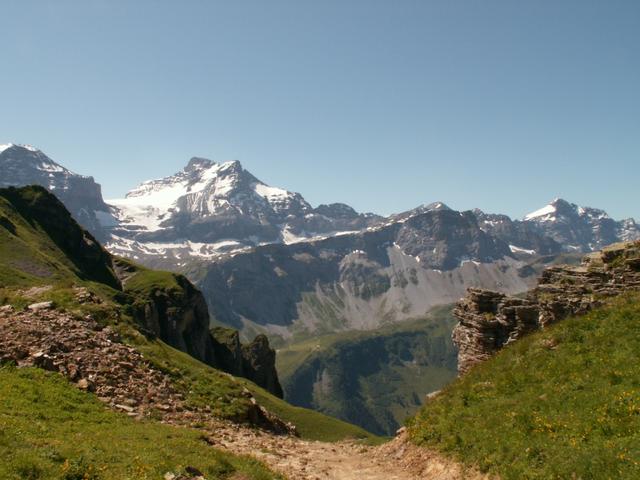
203 385
51 430
561 403
310 424
145 280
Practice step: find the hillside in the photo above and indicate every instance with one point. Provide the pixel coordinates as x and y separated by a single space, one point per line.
373 379
560 403
42 247
47 259
74 437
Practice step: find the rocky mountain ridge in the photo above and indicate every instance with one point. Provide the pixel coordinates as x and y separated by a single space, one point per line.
231 233
209 209
360 281
490 320
582 229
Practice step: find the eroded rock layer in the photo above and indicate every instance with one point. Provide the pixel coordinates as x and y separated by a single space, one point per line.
490 320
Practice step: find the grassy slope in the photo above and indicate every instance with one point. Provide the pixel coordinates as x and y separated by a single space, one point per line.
29 257
205 385
49 429
562 403
311 424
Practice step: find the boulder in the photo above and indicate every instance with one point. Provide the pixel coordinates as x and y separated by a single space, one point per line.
34 307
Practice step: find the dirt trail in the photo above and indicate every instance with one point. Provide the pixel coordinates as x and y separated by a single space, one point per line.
308 460
301 459
93 358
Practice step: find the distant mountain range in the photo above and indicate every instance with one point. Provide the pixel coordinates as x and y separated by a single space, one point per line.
267 260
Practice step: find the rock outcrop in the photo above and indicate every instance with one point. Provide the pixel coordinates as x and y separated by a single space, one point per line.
490 320
487 322
175 311
255 360
172 310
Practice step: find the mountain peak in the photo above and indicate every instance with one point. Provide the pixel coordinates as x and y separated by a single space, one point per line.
231 166
198 163
436 206
7 146
559 207
547 212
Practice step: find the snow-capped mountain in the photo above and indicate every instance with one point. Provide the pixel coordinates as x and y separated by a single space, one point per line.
212 208
25 165
581 229
266 259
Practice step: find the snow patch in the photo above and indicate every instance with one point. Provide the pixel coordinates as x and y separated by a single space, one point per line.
544 211
269 193
515 249
467 260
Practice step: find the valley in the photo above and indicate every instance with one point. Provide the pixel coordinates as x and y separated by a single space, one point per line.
375 379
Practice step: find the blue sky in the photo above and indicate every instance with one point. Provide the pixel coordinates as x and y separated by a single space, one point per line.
384 105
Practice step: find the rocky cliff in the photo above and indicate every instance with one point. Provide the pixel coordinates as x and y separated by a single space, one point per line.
168 306
490 320
255 360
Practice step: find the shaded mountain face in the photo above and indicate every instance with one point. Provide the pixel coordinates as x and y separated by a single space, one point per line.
360 281
23 165
374 379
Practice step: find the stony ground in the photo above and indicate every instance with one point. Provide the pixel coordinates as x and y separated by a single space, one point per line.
94 359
